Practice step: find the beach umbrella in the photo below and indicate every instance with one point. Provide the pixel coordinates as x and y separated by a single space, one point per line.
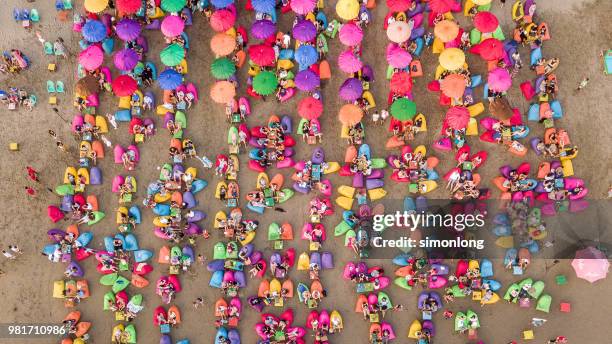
306 55
499 80
446 30
457 117
126 59
307 80
222 44
401 82
221 3
265 83
481 2
169 79
264 6
347 9
95 6
222 68
303 7
350 114
453 85
124 86
128 6
172 26
350 34
591 264
486 22
348 62
91 57
173 5
172 55
223 92
367 73
500 108
304 30
262 29
490 49
440 6
86 85
128 29
403 109
351 89
398 57
222 20
262 55
310 108
94 31
452 58
398 31
399 5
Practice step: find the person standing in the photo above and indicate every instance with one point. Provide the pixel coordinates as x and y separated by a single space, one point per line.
30 191
8 255
583 84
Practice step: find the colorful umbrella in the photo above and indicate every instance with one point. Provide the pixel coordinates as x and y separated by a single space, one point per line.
351 89
440 6
222 68
303 7
128 6
401 82
86 85
350 34
169 79
399 5
452 58
500 108
481 2
265 83
350 114
92 57
453 85
486 22
264 6
221 3
310 108
457 117
490 49
499 80
348 62
306 80
398 31
94 31
306 55
95 6
223 92
222 20
262 55
446 30
304 30
222 44
347 9
128 29
403 109
591 264
124 86
172 55
173 5
263 29
398 57
126 59
172 26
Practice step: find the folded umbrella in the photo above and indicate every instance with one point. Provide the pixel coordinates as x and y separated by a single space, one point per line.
126 59
350 34
310 108
169 79
307 80
128 29
351 89
94 31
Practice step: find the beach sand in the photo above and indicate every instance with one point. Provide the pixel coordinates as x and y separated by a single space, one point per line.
580 30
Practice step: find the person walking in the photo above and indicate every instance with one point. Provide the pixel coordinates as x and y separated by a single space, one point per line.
32 174
583 83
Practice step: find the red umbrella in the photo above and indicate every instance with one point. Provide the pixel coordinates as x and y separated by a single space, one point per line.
398 5
124 85
457 117
401 82
222 20
440 6
490 49
262 55
128 6
486 22
310 108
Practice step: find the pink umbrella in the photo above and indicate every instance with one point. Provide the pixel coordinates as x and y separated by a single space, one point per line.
398 57
398 5
126 59
486 22
348 62
303 7
310 108
591 264
92 57
457 117
350 34
490 49
499 80
222 20
172 26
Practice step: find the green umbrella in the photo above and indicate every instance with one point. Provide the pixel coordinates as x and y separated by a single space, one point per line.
173 5
172 55
222 68
265 83
403 109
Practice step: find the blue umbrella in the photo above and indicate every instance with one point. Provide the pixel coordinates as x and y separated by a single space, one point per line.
264 6
94 31
221 3
169 79
306 55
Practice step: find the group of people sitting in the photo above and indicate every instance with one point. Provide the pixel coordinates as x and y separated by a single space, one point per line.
16 97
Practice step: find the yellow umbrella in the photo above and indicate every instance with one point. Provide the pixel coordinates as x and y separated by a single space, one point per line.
452 58
481 2
95 6
446 30
347 9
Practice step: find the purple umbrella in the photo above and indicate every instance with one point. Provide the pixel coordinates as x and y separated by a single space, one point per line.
128 29
367 72
304 30
263 29
126 59
307 80
351 89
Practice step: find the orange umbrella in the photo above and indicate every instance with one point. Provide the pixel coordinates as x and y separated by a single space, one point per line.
453 85
446 30
223 92
222 44
350 114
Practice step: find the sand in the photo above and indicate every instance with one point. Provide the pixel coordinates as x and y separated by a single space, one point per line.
580 30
